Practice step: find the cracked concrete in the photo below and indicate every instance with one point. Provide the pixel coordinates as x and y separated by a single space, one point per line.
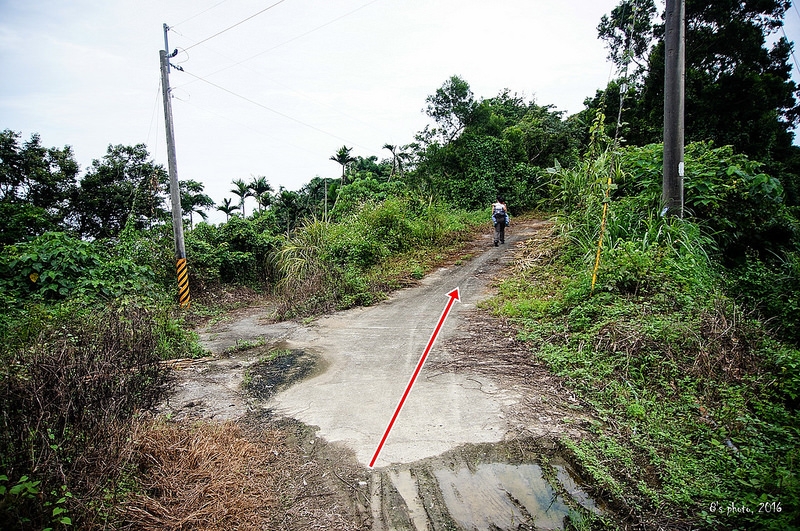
371 355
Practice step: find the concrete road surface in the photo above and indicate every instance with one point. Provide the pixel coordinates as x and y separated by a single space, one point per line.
371 354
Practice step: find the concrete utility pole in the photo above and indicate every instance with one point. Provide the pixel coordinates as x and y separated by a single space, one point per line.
175 193
674 77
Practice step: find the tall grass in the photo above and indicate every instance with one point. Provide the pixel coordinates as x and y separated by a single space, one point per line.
698 406
325 266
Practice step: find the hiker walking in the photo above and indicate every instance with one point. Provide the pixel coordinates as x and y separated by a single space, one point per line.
500 220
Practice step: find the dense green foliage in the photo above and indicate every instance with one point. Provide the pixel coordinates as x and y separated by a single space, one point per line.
695 405
326 266
36 185
752 234
495 146
739 90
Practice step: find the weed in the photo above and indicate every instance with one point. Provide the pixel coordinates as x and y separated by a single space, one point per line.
243 345
696 403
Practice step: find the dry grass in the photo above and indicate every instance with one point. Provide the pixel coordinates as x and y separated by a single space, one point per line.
204 476
208 476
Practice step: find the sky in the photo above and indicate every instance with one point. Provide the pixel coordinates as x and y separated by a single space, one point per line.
275 87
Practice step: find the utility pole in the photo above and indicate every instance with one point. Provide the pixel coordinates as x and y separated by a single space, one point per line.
674 81
175 193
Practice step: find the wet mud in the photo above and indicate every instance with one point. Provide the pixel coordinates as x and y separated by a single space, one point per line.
280 369
516 485
522 484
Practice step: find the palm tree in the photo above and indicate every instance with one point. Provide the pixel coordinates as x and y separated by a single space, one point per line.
260 189
393 150
243 191
193 200
398 156
344 158
228 208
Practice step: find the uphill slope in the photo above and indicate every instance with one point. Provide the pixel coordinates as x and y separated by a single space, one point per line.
371 353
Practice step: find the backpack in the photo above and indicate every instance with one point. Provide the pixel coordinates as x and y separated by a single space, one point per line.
499 214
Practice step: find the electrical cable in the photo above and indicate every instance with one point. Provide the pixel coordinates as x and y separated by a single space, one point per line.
259 131
287 41
237 24
153 118
279 113
278 46
304 34
287 87
200 13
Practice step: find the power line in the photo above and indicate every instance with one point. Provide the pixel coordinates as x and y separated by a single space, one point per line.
338 111
279 113
153 118
287 41
284 85
200 13
250 127
794 59
306 33
237 24
783 29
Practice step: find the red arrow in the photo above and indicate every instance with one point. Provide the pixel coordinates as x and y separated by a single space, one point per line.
454 296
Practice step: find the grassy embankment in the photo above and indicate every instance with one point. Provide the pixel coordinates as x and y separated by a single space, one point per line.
696 400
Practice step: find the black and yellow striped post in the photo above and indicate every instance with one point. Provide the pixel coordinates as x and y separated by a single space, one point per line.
174 188
183 283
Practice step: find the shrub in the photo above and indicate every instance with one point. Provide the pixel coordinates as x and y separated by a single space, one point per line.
70 381
324 266
56 266
236 252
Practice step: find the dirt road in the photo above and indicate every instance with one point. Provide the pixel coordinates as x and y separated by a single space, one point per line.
371 353
439 468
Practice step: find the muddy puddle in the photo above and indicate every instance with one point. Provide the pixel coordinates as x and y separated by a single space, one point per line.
522 484
508 486
279 369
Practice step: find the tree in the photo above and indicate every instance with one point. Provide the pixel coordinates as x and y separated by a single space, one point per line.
37 185
628 33
399 156
227 208
123 184
369 167
260 190
344 158
243 191
287 208
451 108
504 143
313 197
739 92
393 150
193 200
